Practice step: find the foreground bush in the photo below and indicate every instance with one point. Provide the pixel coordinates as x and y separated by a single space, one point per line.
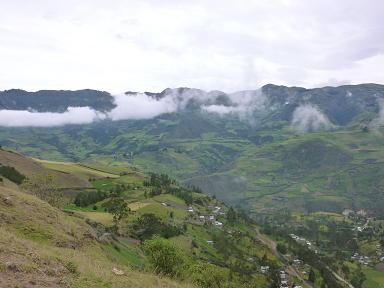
165 258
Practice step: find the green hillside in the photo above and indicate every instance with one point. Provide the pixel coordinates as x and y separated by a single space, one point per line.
102 232
327 171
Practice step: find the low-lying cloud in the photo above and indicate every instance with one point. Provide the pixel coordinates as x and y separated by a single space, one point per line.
307 118
23 118
142 106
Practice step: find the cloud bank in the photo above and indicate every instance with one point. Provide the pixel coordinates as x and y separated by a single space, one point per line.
307 118
74 115
134 106
140 106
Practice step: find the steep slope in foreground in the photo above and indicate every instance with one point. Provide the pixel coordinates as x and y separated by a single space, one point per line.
41 246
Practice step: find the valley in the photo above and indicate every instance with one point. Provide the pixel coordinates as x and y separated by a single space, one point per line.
252 197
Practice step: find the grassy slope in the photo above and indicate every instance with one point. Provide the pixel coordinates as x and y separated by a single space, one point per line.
41 245
28 167
80 171
232 166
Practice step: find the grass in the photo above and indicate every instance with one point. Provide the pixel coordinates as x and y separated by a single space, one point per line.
50 260
101 217
375 279
124 254
73 168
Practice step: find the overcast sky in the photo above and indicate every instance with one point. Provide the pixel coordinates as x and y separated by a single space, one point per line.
227 45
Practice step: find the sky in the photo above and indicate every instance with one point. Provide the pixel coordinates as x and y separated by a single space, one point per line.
149 45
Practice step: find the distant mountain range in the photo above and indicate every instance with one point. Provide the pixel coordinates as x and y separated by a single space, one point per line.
250 148
342 105
55 100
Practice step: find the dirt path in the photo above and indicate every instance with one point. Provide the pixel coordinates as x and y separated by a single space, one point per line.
338 277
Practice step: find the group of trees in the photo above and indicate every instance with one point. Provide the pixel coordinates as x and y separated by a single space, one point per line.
181 193
12 174
163 184
85 198
159 181
149 224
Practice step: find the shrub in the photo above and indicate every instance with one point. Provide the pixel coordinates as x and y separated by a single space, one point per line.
149 224
12 174
281 248
208 275
86 198
165 258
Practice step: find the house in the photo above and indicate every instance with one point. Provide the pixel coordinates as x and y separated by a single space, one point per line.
218 224
362 212
297 262
264 269
216 210
190 209
210 242
347 212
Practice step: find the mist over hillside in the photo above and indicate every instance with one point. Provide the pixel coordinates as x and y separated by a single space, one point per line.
305 109
259 145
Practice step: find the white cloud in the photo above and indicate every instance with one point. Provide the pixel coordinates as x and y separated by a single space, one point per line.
220 109
140 106
149 45
74 115
135 106
308 118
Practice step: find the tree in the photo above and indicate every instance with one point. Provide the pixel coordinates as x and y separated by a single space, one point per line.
264 260
358 278
119 209
164 257
149 224
312 276
281 248
231 215
12 174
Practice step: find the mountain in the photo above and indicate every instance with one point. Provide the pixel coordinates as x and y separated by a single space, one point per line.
291 176
267 150
55 100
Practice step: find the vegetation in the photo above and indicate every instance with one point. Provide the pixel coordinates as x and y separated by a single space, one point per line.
165 258
44 187
86 198
12 174
286 181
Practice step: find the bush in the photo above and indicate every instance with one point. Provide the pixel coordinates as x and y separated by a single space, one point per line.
149 224
208 276
165 258
281 248
12 174
86 198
